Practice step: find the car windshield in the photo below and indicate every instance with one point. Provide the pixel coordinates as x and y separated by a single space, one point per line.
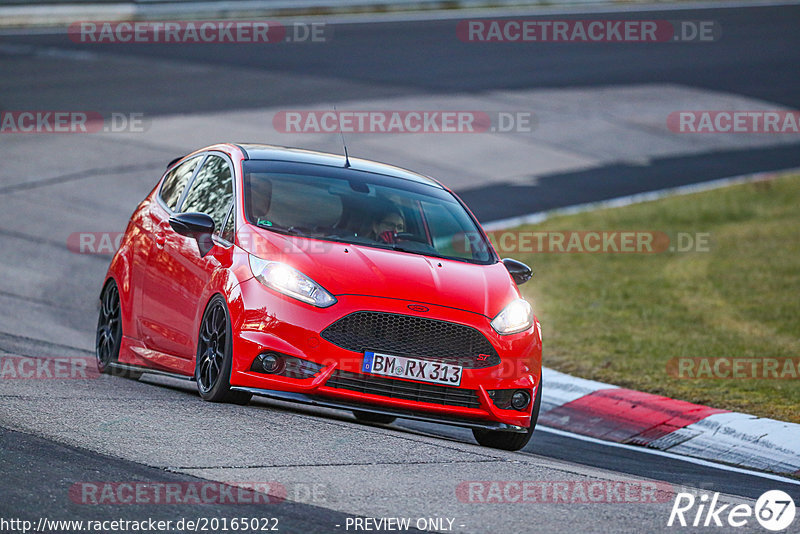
361 208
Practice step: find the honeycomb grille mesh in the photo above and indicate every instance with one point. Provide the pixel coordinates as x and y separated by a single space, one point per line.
407 335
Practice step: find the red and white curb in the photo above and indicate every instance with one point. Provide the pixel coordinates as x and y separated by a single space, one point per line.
620 415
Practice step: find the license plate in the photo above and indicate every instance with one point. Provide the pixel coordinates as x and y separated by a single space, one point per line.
411 368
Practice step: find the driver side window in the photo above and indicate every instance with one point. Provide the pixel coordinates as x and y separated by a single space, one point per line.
176 180
211 191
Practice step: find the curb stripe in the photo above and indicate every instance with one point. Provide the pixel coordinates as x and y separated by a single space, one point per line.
625 416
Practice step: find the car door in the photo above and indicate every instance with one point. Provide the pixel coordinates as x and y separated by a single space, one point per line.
151 220
178 275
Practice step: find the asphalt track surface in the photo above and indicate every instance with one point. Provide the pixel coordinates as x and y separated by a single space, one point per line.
753 57
56 433
756 57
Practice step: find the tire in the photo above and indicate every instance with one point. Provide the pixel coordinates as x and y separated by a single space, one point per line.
108 337
215 356
375 418
510 441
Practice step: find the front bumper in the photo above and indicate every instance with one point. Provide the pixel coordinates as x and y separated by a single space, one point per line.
267 321
384 410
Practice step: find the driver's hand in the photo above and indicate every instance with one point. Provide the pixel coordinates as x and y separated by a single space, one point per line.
389 236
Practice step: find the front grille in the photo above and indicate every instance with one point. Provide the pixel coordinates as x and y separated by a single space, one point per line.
402 389
407 335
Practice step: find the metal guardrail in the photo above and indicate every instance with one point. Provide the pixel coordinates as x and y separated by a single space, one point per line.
27 3
281 3
66 2
55 13
299 3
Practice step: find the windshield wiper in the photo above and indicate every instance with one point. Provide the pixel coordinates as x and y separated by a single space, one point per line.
400 248
291 230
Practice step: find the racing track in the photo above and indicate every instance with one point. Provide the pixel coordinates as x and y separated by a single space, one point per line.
110 429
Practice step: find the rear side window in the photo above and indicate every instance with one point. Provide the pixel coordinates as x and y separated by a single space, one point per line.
175 182
212 191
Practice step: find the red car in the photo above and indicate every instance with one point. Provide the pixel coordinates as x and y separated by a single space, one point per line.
326 280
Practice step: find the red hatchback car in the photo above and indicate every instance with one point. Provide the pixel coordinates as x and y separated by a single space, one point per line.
311 277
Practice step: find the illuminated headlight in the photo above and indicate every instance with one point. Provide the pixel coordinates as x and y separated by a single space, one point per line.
516 317
291 282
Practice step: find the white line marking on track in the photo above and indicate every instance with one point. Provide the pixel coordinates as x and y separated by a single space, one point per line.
689 459
638 198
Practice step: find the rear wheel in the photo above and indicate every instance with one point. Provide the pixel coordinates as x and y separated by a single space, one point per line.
369 417
108 338
215 356
510 441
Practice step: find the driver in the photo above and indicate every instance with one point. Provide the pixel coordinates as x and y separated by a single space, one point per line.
387 225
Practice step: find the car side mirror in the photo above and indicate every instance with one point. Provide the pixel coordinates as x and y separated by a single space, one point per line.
520 272
198 226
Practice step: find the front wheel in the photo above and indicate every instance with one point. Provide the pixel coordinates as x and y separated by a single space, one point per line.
510 441
215 356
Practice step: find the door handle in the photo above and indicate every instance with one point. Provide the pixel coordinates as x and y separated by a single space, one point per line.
160 240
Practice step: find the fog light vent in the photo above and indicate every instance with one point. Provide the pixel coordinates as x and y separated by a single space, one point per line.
510 399
275 363
270 362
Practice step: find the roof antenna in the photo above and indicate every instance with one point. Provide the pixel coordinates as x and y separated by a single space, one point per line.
346 157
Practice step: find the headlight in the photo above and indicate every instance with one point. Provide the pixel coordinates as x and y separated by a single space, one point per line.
291 282
516 317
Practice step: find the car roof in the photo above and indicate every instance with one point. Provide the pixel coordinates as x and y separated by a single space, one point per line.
299 155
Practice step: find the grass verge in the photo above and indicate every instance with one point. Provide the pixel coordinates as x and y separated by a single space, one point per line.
621 317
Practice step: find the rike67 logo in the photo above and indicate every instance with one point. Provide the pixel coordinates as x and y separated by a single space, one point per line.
774 510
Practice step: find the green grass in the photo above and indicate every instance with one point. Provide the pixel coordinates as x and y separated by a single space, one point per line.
619 318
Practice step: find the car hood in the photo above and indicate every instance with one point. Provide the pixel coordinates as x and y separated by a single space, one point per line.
347 269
